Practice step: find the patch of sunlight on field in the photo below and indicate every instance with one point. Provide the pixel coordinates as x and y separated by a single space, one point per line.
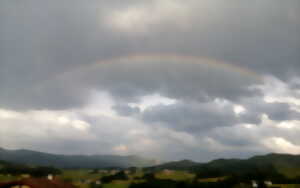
175 175
211 180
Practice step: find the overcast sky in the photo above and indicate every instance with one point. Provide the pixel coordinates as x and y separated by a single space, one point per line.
166 79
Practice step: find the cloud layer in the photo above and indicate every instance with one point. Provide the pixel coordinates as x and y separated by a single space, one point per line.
208 78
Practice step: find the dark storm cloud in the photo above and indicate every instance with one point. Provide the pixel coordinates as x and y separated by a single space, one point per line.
192 117
196 117
183 80
42 40
48 52
261 35
276 111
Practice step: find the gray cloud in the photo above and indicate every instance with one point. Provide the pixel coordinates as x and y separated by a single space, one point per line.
42 40
48 52
126 110
275 111
191 117
195 117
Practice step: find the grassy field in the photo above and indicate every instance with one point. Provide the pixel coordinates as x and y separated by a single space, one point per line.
290 172
212 180
117 184
76 175
81 185
4 178
79 174
286 185
175 175
81 177
170 175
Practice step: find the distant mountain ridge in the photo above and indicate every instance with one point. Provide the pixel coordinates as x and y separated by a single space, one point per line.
73 161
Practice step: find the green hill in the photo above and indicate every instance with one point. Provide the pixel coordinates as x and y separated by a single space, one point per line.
271 164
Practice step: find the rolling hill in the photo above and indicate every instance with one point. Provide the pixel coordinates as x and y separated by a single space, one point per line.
282 164
29 157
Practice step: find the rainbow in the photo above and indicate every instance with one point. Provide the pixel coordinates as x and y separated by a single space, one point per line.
163 58
169 58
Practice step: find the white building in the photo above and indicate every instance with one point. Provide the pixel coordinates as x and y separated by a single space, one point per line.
268 183
50 177
254 184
